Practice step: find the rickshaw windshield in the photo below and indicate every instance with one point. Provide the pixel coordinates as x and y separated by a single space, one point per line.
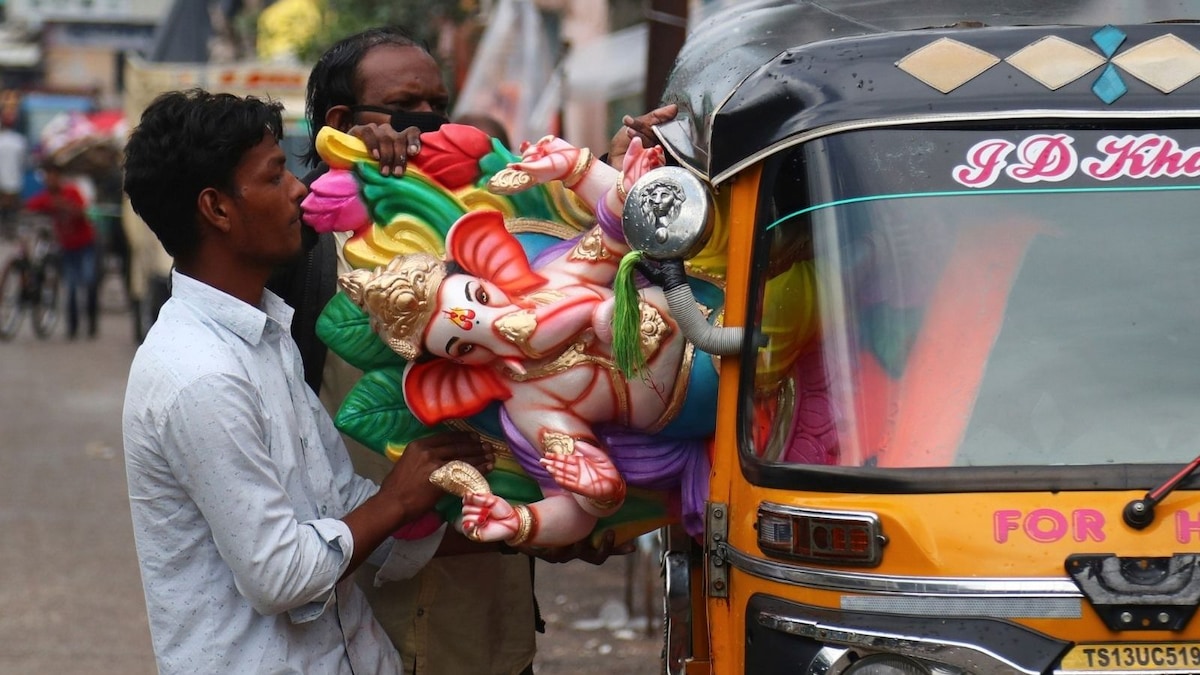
953 298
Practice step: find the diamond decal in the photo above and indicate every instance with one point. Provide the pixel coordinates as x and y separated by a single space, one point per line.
947 64
1109 39
1109 86
1165 63
1055 62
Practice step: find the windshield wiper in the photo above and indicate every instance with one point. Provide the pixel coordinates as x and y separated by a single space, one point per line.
1139 513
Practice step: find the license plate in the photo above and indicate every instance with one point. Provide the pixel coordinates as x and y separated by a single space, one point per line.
1133 657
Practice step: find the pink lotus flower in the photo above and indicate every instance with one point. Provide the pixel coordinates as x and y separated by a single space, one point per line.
333 204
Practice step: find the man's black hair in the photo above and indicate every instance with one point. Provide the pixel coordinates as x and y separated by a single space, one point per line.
188 141
332 81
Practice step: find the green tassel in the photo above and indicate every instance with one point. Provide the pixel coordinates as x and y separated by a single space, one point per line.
627 319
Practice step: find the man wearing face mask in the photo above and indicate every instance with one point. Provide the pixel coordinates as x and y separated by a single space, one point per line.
469 607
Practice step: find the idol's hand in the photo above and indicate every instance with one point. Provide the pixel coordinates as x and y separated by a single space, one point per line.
638 161
552 158
487 517
591 475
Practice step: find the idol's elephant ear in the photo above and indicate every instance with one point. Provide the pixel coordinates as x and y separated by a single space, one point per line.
481 243
441 389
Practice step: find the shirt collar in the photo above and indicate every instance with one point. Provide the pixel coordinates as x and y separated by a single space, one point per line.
246 321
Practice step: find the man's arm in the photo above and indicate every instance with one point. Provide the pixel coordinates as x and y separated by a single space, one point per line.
406 492
215 442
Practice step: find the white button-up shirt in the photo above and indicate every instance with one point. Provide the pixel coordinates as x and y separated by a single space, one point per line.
237 483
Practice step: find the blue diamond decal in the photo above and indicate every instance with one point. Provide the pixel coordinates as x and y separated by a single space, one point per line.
1109 39
1109 86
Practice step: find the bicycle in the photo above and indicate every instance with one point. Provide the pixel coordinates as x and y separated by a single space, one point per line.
32 281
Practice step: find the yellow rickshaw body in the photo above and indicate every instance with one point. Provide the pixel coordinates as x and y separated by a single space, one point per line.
903 552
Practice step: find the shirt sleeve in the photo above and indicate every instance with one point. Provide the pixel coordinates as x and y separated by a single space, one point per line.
397 559
216 435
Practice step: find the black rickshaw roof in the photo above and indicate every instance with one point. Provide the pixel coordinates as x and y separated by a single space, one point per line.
759 75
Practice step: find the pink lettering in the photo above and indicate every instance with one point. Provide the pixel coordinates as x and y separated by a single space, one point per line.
1121 159
984 162
1045 525
1089 524
1053 158
1005 521
1044 157
1186 527
1145 156
1168 161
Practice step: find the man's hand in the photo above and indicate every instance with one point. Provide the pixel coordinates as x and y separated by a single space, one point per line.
406 493
408 481
582 550
639 127
389 147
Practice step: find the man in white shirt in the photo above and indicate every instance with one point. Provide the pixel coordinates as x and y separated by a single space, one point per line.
247 515
14 151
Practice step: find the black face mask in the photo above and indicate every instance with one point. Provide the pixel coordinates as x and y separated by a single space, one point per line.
425 121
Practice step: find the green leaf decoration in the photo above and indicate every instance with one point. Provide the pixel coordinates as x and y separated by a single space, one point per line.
495 161
346 330
410 196
374 412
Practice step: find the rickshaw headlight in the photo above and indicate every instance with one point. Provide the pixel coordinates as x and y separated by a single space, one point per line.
844 537
668 214
887 664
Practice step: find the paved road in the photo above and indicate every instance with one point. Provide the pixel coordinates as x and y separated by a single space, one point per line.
69 581
69 585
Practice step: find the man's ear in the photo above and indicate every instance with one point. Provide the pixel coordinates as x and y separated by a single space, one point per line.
339 117
213 208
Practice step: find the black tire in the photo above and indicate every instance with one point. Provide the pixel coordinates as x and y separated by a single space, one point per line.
46 304
10 300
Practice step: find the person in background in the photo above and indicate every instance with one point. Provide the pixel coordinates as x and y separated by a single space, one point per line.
247 516
470 608
14 151
66 207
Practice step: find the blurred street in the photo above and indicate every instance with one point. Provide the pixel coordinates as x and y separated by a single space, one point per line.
69 581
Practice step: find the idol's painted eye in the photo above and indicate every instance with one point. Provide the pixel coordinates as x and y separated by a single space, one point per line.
475 292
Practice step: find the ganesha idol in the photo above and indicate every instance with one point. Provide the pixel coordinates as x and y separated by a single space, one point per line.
483 324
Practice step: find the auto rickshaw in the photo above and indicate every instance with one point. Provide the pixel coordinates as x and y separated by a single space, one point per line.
958 423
